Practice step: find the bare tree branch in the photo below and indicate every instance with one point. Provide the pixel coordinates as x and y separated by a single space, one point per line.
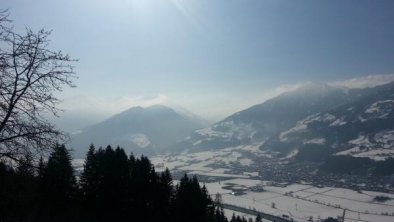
30 74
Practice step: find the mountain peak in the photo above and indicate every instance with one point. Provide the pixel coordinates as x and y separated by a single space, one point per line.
139 129
159 107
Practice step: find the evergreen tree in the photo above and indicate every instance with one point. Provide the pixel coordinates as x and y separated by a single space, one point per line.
41 168
89 175
8 202
90 183
233 218
121 185
144 184
191 199
25 187
163 197
105 179
112 187
25 167
218 206
258 218
59 185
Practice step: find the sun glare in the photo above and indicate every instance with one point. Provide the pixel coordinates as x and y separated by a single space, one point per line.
187 10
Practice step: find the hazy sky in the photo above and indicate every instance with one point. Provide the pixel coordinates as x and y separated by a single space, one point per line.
213 57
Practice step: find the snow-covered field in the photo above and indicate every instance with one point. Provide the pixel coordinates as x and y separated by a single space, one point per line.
302 202
210 163
298 201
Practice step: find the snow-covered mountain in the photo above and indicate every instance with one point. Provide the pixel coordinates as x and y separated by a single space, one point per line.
357 122
263 121
139 130
363 127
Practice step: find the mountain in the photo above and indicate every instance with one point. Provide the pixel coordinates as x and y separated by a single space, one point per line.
362 127
139 130
337 121
262 121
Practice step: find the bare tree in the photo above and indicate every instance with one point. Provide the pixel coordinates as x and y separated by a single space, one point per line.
30 75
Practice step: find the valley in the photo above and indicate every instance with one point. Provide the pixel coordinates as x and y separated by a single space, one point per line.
249 162
248 179
197 111
305 155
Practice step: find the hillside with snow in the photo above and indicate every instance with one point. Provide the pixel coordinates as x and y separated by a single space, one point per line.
342 121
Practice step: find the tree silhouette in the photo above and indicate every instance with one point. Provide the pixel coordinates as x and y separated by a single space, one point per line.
58 185
191 199
163 197
258 218
144 183
90 182
30 74
112 186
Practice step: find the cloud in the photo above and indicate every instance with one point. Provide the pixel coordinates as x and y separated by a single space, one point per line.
104 106
365 81
283 89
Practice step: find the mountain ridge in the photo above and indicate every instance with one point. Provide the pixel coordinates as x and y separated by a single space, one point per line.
140 130
267 122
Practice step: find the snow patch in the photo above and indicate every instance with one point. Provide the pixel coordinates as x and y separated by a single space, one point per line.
339 122
385 138
361 140
246 162
378 110
381 149
228 130
292 154
302 126
140 140
316 141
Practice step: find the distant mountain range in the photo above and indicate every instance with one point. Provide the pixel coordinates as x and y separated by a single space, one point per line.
308 123
336 121
138 130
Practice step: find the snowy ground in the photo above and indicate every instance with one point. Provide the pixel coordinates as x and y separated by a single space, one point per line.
302 202
298 201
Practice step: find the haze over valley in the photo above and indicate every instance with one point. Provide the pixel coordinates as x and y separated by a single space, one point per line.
197 110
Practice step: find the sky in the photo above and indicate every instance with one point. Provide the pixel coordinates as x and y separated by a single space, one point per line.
212 57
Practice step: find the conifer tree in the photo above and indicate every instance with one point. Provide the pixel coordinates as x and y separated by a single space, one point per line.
89 183
59 185
233 218
191 199
121 179
144 182
25 167
25 187
258 218
41 168
89 174
163 197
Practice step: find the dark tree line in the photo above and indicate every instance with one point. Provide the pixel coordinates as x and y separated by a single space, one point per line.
112 187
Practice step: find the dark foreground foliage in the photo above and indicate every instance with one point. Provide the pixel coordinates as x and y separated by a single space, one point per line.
112 187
